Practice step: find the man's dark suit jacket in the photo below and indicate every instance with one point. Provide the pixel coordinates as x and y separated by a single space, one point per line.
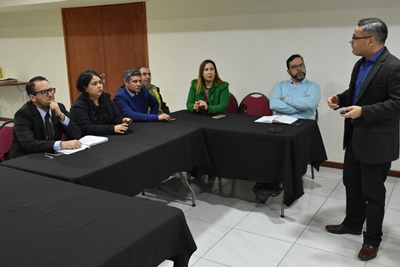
376 133
127 107
29 135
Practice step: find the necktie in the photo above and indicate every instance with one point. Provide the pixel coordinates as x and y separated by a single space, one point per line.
49 127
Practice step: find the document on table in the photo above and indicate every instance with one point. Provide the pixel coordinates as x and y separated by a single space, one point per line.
277 119
87 142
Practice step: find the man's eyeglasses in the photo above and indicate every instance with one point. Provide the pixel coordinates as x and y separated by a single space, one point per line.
355 37
301 66
46 91
273 130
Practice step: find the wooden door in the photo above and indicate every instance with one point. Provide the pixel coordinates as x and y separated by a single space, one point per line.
108 39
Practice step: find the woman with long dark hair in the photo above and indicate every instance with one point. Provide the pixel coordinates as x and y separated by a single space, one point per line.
93 111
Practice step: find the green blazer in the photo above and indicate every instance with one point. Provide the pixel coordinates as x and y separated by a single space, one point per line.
218 98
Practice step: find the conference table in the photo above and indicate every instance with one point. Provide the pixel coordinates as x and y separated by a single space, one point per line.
45 222
233 147
240 148
142 158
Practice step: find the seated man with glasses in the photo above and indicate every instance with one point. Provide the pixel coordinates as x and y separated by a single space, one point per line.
297 97
40 123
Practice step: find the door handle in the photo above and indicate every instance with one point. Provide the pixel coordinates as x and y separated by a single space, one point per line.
103 77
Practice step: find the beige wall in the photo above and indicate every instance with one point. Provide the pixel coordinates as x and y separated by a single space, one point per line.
248 40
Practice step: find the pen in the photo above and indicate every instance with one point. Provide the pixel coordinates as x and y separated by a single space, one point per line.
50 157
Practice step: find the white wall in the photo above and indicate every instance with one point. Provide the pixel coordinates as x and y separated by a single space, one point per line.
31 44
249 41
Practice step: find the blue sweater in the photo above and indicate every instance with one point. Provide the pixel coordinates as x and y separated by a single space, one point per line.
301 100
136 106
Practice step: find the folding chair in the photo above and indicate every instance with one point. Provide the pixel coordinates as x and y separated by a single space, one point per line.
312 169
255 104
6 137
233 104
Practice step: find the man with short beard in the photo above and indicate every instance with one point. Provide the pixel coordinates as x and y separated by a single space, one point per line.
154 90
297 97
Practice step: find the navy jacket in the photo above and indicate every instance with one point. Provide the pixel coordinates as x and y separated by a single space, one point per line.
128 109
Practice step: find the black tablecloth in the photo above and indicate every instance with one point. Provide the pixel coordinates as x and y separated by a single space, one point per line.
126 164
178 147
239 148
232 147
44 222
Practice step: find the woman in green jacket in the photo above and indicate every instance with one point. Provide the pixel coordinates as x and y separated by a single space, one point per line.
208 94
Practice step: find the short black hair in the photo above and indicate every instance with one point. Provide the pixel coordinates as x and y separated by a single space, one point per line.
30 86
290 59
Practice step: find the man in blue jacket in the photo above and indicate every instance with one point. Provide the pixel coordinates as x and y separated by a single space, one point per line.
134 100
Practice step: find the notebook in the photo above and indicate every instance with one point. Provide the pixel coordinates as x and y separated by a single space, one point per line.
277 119
87 142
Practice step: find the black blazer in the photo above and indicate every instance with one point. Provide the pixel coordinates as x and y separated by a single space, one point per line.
29 135
83 116
376 133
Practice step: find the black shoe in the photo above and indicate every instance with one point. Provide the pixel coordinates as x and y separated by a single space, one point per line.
262 194
340 229
277 191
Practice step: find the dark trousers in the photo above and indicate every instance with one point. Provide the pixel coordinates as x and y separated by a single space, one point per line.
365 196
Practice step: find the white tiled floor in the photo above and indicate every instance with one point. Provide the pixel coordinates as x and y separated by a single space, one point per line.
231 229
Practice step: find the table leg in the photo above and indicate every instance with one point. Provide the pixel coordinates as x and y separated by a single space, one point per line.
184 179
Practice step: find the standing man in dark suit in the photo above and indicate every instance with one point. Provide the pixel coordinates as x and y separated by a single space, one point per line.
371 136
40 123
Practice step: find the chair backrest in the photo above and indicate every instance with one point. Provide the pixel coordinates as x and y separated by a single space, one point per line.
233 104
255 104
6 138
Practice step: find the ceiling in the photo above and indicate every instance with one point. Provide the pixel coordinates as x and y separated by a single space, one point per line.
9 6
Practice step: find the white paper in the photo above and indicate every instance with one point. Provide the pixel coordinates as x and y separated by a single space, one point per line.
267 119
67 151
92 140
277 119
87 141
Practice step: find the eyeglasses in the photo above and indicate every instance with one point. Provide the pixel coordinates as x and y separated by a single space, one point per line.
273 130
45 91
355 37
301 66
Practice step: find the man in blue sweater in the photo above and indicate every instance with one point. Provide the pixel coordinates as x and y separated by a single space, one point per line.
297 97
134 100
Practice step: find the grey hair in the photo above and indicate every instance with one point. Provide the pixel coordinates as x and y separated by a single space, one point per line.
374 27
129 73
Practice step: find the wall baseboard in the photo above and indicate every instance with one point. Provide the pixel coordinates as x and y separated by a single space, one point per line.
338 165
